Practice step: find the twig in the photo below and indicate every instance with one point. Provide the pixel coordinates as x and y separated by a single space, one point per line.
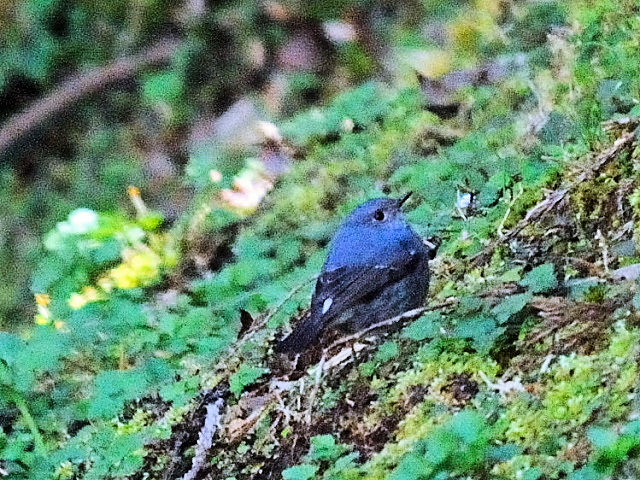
314 392
205 438
514 199
557 196
344 356
501 386
416 312
554 198
76 87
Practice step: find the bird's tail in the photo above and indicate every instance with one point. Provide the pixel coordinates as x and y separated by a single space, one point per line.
305 334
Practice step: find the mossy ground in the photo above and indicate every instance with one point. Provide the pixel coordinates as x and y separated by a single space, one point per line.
543 357
525 365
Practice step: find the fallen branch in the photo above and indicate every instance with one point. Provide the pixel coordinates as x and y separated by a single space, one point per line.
409 315
76 87
205 438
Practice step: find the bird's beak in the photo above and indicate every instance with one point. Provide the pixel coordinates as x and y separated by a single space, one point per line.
404 199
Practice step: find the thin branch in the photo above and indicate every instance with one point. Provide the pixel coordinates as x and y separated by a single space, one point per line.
411 314
552 200
205 438
78 86
314 392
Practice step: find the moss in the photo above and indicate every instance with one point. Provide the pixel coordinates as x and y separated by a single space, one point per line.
553 417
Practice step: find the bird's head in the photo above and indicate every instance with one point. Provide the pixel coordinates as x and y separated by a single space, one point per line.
378 212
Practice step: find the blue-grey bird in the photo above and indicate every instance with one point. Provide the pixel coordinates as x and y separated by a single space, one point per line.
377 268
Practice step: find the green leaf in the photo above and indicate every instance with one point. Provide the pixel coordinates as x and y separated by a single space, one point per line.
440 445
427 326
324 447
601 437
412 467
469 304
344 462
386 352
124 315
510 306
541 279
531 474
512 275
109 251
112 389
42 353
162 87
468 426
502 453
588 472
10 346
367 369
300 472
151 220
481 329
244 377
179 393
632 428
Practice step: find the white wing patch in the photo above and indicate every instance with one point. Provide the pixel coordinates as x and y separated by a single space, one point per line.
327 305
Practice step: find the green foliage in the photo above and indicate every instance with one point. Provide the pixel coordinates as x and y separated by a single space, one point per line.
612 450
510 306
457 448
541 279
324 451
324 447
114 388
427 326
363 106
300 472
244 377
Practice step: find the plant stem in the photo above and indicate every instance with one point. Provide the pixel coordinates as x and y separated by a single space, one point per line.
20 402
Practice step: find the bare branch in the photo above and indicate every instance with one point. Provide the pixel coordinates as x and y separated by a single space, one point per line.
205 438
78 86
411 314
553 199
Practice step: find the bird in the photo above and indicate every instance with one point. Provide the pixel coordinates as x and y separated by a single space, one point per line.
377 267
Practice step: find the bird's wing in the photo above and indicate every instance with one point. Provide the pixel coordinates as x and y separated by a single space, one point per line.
341 288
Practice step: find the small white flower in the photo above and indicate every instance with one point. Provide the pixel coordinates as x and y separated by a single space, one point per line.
83 220
80 221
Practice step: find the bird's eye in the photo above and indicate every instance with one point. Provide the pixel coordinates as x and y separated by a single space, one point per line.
378 215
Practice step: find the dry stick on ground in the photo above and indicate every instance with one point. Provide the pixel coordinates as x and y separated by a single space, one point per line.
76 87
314 392
205 438
411 314
554 198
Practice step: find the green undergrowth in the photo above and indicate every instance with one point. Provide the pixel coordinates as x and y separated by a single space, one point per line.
526 366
